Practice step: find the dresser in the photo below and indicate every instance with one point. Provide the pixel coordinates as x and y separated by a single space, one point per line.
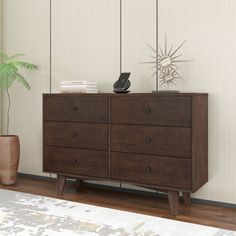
157 141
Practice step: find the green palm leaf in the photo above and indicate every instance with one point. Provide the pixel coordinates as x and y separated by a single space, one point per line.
9 73
15 56
23 81
9 70
21 64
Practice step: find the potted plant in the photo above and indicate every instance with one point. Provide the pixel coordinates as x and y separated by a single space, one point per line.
10 69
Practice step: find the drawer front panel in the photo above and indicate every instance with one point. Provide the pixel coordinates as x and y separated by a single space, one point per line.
165 111
76 161
160 171
76 108
77 135
166 141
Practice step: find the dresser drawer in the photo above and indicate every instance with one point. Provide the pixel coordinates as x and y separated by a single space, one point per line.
160 171
166 141
80 108
76 161
77 135
151 110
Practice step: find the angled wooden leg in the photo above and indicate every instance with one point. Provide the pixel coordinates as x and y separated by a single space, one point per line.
186 198
61 180
78 184
173 197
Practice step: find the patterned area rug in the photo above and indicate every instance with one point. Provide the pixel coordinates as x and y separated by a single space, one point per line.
26 214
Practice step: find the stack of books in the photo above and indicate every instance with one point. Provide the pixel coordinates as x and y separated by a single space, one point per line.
79 86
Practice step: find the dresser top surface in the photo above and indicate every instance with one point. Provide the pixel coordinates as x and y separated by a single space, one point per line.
167 94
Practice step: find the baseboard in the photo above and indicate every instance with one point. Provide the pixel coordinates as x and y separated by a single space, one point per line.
140 192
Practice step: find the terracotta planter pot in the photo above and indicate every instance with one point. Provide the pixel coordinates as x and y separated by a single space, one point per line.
9 158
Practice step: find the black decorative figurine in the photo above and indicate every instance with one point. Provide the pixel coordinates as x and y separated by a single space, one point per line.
122 84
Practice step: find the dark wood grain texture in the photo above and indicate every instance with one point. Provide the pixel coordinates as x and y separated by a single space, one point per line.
69 108
151 110
199 141
70 161
61 180
187 198
173 198
76 135
152 140
158 171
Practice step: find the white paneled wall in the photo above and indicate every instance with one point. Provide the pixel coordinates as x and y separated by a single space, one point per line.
86 41
210 28
86 45
26 30
138 29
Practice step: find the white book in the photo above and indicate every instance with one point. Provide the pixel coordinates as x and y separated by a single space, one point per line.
79 90
81 82
78 87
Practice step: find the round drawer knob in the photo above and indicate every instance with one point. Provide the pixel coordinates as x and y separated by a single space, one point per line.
148 110
148 169
148 140
74 135
74 108
74 161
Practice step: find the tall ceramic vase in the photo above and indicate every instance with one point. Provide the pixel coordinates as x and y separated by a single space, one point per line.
9 158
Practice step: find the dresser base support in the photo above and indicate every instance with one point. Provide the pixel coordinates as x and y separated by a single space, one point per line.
187 198
173 197
78 184
61 180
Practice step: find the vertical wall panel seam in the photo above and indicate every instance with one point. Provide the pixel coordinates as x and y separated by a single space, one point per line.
1 97
157 35
50 53
121 35
50 47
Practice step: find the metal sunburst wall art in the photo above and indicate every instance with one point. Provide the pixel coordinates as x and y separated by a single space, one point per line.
166 65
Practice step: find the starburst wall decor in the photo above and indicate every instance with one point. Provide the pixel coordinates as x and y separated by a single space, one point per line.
166 68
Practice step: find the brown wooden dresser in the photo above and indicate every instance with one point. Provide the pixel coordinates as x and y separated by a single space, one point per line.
158 141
